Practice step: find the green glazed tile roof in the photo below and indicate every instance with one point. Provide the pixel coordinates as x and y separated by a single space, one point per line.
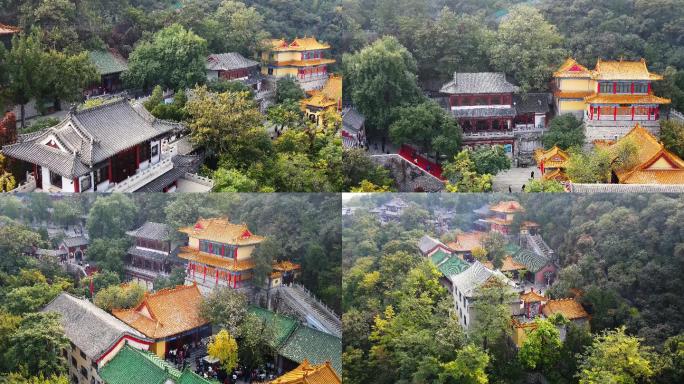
283 325
438 257
315 346
132 366
453 266
531 260
107 63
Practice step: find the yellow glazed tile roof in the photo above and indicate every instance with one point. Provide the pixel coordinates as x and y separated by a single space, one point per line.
532 297
556 174
304 63
166 312
572 94
198 256
222 231
623 70
285 266
307 373
303 44
328 96
626 99
572 68
553 158
507 207
569 308
466 242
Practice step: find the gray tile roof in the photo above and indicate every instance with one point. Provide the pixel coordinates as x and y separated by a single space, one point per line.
532 103
146 254
229 61
352 120
107 63
481 82
153 231
484 111
427 243
469 280
89 137
90 328
76 241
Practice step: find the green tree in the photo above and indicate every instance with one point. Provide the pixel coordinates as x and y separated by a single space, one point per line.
174 58
239 28
672 135
119 297
546 186
224 348
7 181
288 89
285 114
528 47
493 313
108 254
490 160
379 78
495 245
176 278
225 308
66 212
254 340
463 177
14 240
615 357
541 349
37 344
565 131
111 216
357 167
468 368
671 369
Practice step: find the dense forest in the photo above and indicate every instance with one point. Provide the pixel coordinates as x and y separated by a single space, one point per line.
623 252
301 228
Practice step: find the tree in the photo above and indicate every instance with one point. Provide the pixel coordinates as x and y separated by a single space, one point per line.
37 345
367 186
111 216
16 378
225 308
14 240
119 297
615 357
671 368
288 89
672 136
592 167
528 47
490 160
7 181
255 335
379 78
565 131
239 28
66 212
232 180
425 125
108 254
463 177
357 167
176 278
493 314
547 186
224 348
468 368
413 217
230 126
174 58
541 349
495 245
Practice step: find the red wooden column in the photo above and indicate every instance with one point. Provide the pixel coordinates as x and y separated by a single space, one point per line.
599 113
632 109
77 187
649 113
615 113
137 156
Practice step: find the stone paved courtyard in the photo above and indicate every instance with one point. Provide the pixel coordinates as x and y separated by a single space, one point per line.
515 178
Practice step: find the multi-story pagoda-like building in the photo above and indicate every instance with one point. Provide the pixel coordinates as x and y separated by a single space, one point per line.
302 59
611 98
150 256
219 253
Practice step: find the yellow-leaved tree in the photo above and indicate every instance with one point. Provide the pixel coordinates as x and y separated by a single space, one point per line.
224 348
7 181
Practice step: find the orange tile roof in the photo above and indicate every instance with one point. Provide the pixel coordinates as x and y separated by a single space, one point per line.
623 70
553 158
650 151
286 266
511 206
511 265
217 261
166 312
572 68
626 99
306 373
222 231
329 96
8 29
569 308
466 242
572 94
496 220
556 174
532 297
304 63
529 224
303 44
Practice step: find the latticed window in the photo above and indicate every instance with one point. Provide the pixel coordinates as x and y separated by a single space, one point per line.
606 88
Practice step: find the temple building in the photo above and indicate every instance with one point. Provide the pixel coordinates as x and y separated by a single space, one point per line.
7 32
490 112
133 366
284 272
114 147
353 129
500 217
653 163
302 59
110 65
74 248
219 253
95 337
466 243
609 98
150 256
170 317
307 373
233 66
329 98
552 163
428 245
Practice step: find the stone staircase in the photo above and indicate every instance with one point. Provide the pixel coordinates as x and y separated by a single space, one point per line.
316 313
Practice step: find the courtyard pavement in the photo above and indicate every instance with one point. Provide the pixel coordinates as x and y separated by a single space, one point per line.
515 178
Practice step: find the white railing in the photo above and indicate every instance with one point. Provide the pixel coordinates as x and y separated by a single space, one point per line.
489 134
528 128
199 179
28 186
143 177
676 115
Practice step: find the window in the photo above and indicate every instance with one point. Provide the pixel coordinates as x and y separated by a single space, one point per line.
85 183
606 88
83 355
55 179
101 174
624 87
84 372
154 151
640 87
73 362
